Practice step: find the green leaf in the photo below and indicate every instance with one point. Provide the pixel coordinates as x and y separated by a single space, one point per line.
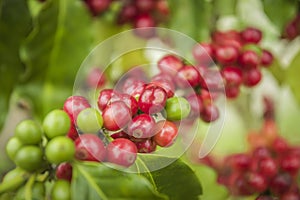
54 51
15 24
280 11
292 76
171 176
277 71
98 181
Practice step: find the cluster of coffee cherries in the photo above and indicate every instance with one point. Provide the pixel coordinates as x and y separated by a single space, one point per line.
269 170
239 57
138 13
292 29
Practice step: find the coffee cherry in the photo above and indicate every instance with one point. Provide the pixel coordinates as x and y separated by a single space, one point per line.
116 116
268 167
89 147
170 64
257 182
64 171
61 190
196 103
74 105
89 120
251 35
290 164
280 146
240 161
203 53
56 123
143 21
95 78
226 55
145 145
141 126
133 87
209 113
232 91
166 135
60 149
121 152
29 158
249 59
73 134
145 5
28 132
104 98
212 80
37 191
251 77
280 183
187 76
290 196
232 76
266 58
152 99
177 108
12 147
98 6
165 84
130 101
127 14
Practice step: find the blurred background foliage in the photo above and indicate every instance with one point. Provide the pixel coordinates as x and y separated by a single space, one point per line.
42 45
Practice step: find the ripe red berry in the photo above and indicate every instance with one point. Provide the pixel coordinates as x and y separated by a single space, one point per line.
232 76
251 35
290 196
64 171
280 184
98 6
251 77
166 134
141 126
121 152
133 87
249 59
232 91
226 55
145 5
268 167
130 101
170 64
116 116
212 80
73 134
257 182
152 99
74 105
89 147
196 103
187 76
145 146
105 97
141 23
209 113
290 164
127 13
203 53
164 83
95 78
240 161
266 58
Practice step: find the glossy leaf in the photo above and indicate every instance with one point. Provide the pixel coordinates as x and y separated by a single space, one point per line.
176 179
15 25
280 11
98 181
54 51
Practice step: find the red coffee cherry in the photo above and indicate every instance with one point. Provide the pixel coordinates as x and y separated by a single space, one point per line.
121 152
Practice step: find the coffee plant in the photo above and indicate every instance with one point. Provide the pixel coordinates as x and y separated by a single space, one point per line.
149 99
